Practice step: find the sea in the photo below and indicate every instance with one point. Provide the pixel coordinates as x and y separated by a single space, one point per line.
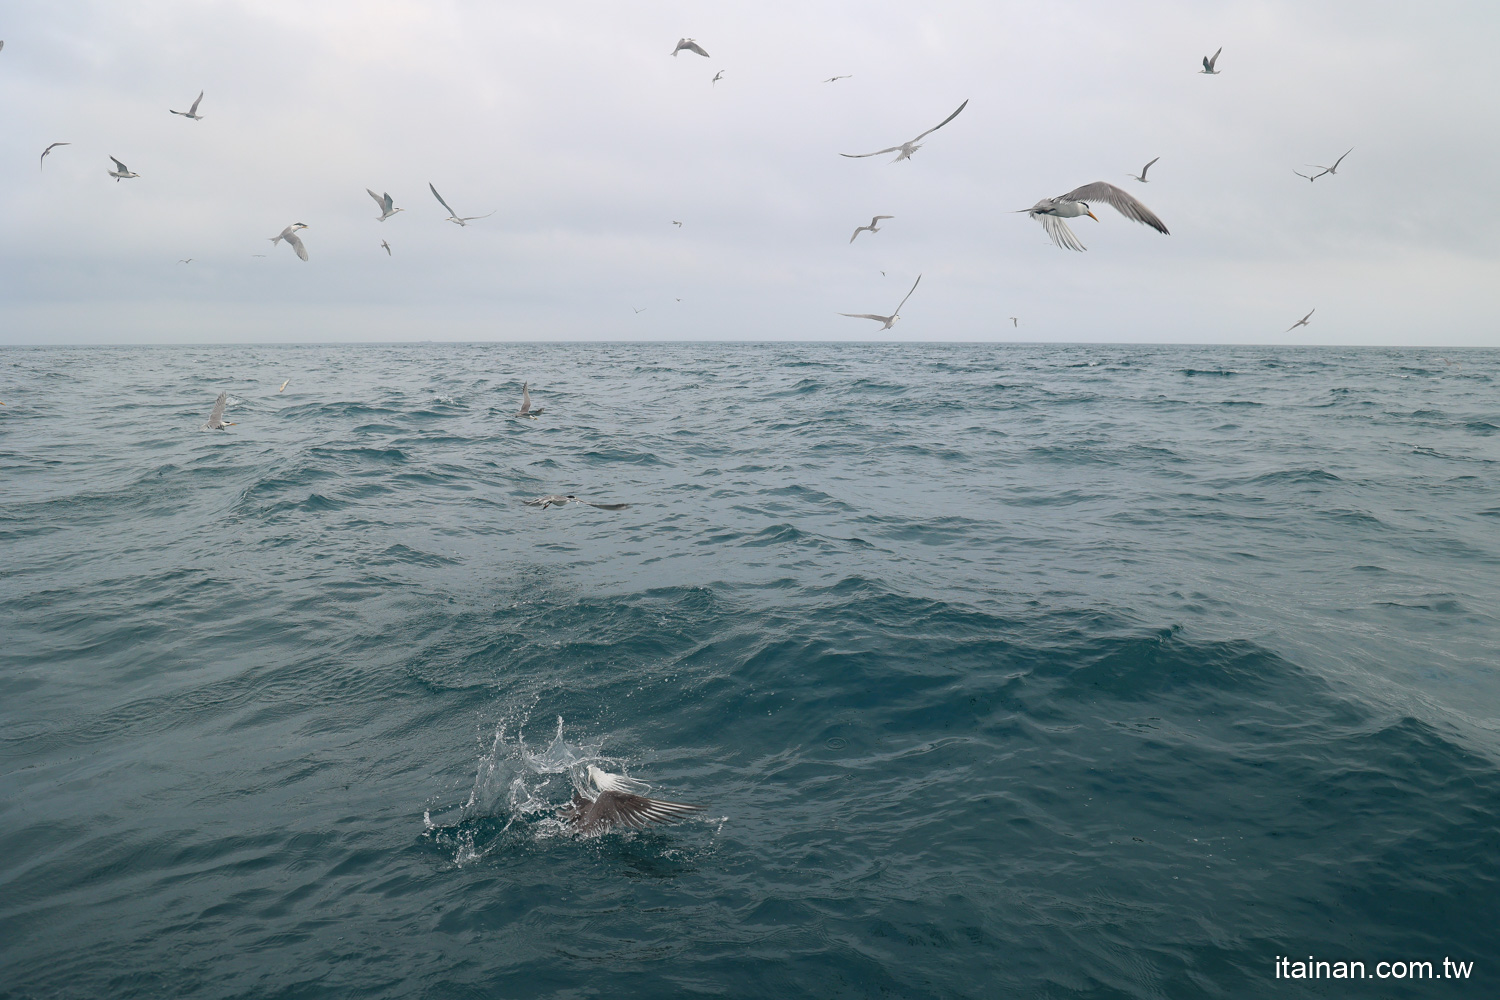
1000 670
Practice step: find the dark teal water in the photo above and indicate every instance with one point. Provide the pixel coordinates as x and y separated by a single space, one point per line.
1002 671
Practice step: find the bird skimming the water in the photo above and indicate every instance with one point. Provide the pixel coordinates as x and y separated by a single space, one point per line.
216 418
618 801
887 321
526 410
1300 322
292 239
1208 63
1142 175
691 46
871 227
191 112
1051 212
121 171
562 501
907 148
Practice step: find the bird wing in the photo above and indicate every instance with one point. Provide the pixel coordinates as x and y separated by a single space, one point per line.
1340 160
377 198
603 506
695 47
857 231
296 242
1118 199
1146 168
879 217
440 199
122 168
1059 232
525 397
612 809
194 109
217 416
857 156
387 202
914 285
940 124
471 218
1208 64
882 319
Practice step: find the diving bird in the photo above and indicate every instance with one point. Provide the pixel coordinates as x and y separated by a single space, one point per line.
526 410
454 216
618 801
387 206
562 501
871 227
1142 175
216 418
284 385
1300 322
387 247
121 171
1051 212
833 78
292 239
907 148
690 45
717 75
1208 63
887 321
50 149
191 112
1330 170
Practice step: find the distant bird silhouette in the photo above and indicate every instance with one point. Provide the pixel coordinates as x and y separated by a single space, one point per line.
1208 63
1300 322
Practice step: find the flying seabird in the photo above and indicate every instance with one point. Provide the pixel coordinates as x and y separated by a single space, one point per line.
1300 322
387 207
1051 212
717 75
121 171
908 148
888 321
676 223
526 410
871 227
833 78
1142 175
1014 321
187 261
690 45
191 112
50 149
1329 170
284 385
454 216
617 801
387 247
292 239
1208 63
216 418
562 501
640 310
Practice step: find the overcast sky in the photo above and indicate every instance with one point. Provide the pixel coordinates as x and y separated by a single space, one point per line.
572 121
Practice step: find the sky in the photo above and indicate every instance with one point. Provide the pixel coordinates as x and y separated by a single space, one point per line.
572 121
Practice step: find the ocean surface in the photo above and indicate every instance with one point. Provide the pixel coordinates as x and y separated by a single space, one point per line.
1001 671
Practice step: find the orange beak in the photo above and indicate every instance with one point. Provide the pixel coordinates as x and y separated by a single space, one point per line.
1091 215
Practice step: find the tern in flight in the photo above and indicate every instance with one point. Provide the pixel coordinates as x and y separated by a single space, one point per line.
526 410
1051 212
718 75
292 239
1208 63
1329 170
887 321
691 46
387 206
618 801
284 385
872 227
833 78
1300 322
50 149
562 501
191 112
386 246
121 171
1142 175
907 148
640 310
188 261
216 418
1014 321
676 223
454 216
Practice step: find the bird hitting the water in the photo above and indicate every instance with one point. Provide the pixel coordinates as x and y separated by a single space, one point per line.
526 410
1208 63
50 149
387 205
454 216
907 148
1328 170
1300 322
872 227
191 112
887 321
1051 212
618 801
556 500
215 420
121 172
292 239
691 46
1142 175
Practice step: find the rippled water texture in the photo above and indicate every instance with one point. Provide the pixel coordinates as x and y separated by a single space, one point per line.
1001 671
